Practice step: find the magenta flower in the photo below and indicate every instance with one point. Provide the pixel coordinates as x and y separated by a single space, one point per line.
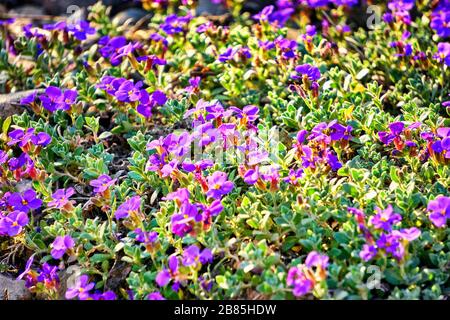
368 252
102 183
294 176
296 278
108 295
54 99
439 211
443 146
443 54
146 237
219 185
20 137
164 276
26 202
155 296
312 73
391 243
60 246
13 223
251 175
192 256
339 132
61 198
129 207
81 289
194 84
315 259
385 219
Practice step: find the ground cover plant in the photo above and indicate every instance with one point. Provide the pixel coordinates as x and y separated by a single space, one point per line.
295 153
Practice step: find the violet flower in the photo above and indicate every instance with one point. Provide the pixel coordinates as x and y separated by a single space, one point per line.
60 246
192 256
385 219
26 202
219 185
61 198
129 207
439 209
13 224
102 183
81 289
296 278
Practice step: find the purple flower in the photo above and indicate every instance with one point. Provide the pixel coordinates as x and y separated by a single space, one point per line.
13 223
296 278
41 139
20 137
49 275
264 14
61 198
443 54
408 234
194 84
108 295
165 275
29 99
54 99
315 259
128 91
192 256
175 24
228 54
3 157
251 175
146 237
60 245
129 207
294 176
311 72
439 211
443 146
395 129
81 289
26 202
102 183
155 296
391 243
368 252
339 132
385 219
81 30
219 185
440 19
180 196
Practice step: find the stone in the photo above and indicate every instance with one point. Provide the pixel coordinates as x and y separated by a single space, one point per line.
11 289
10 102
27 10
206 7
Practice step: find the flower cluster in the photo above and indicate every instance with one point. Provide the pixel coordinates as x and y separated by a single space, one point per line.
306 277
125 91
380 236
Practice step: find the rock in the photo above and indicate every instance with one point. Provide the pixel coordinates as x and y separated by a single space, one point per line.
28 10
11 289
255 6
10 102
206 7
130 16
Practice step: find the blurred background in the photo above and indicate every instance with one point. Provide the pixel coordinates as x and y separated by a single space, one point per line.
66 7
